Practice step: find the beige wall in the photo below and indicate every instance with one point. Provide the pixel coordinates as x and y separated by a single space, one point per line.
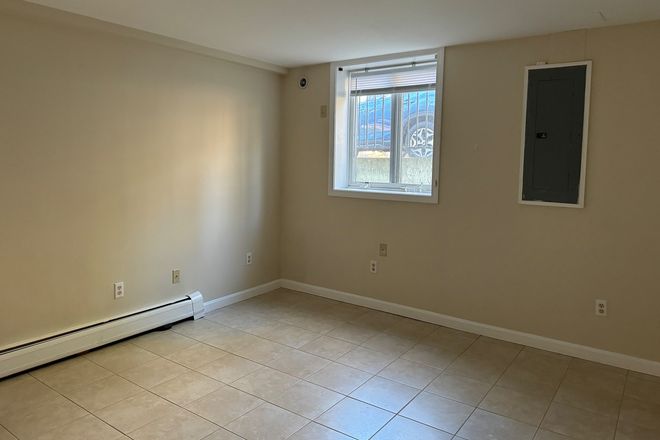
121 161
478 254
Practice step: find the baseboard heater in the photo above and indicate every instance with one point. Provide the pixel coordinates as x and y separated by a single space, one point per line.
34 353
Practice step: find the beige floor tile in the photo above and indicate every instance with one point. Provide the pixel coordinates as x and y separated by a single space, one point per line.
626 431
448 339
232 340
431 356
547 353
368 360
5 435
42 418
410 373
227 316
121 357
287 315
319 324
74 377
267 422
86 428
515 405
376 320
154 373
163 342
640 413
578 424
263 351
223 434
18 394
485 370
411 329
487 349
642 389
135 412
196 355
339 378
299 364
103 393
644 376
292 336
315 305
588 398
257 325
483 424
543 434
307 399
589 366
438 412
328 348
529 382
353 333
550 367
400 428
228 368
345 312
460 388
178 425
385 394
314 431
355 419
594 376
265 383
186 388
59 365
200 329
389 344
224 406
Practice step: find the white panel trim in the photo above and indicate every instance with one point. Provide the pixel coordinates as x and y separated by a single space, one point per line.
554 345
68 344
240 296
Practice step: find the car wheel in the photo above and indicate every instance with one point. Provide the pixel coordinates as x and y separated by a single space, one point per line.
420 141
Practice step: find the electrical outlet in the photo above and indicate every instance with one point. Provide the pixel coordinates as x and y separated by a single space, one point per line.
383 250
601 307
176 276
248 258
119 290
324 111
374 266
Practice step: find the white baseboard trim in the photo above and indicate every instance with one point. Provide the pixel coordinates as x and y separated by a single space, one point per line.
554 345
240 296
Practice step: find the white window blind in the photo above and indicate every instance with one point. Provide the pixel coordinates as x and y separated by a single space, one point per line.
398 80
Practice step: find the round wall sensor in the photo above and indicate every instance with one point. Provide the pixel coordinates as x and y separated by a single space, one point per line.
302 82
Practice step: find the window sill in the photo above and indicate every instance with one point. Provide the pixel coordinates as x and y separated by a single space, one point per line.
384 195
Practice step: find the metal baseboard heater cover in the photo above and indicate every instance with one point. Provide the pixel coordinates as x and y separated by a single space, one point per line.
32 354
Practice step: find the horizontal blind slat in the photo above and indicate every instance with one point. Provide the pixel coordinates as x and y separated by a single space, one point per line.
391 81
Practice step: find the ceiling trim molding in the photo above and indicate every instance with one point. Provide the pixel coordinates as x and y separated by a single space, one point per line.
39 12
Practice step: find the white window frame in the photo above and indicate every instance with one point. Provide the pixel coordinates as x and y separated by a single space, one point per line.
338 183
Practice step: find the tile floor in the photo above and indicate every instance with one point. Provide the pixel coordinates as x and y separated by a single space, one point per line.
287 365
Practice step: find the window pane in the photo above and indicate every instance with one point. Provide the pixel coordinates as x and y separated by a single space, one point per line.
371 138
418 116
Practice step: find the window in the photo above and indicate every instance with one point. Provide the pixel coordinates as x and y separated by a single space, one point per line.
385 137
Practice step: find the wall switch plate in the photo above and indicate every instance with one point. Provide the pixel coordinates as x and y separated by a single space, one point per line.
601 307
382 250
248 258
119 290
176 276
374 266
324 111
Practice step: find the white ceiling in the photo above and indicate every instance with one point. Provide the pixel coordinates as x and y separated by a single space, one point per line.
293 33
